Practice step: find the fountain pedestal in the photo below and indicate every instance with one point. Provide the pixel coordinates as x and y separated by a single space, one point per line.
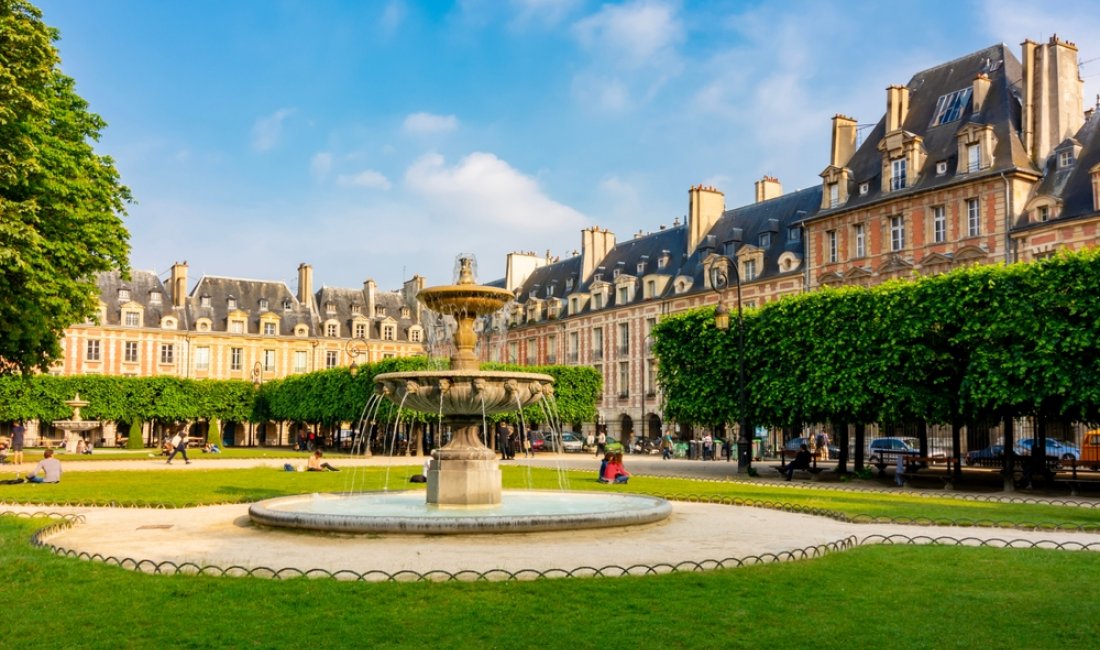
465 472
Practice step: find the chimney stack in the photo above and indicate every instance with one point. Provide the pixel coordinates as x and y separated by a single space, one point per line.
1053 96
897 107
981 89
179 283
595 245
844 140
305 283
768 187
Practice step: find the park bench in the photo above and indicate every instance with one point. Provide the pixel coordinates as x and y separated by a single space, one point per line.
1080 475
813 469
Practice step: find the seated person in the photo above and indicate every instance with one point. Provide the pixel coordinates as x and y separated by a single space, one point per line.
50 468
615 472
209 448
83 447
315 464
801 461
166 449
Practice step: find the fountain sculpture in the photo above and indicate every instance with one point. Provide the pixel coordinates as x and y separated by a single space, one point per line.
464 480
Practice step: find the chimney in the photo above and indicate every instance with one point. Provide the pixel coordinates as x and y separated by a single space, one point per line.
1053 96
844 140
705 206
369 289
305 283
179 283
520 265
768 187
897 107
596 243
981 89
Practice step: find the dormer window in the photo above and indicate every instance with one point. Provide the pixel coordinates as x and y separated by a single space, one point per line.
269 329
286 305
231 304
356 309
379 311
549 291
330 308
597 277
864 188
794 233
263 304
897 174
640 268
154 297
834 195
204 301
973 157
124 295
941 168
765 239
404 312
569 284
662 261
1066 158
1042 213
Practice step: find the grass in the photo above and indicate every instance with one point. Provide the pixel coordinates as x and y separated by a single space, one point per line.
108 453
194 486
900 596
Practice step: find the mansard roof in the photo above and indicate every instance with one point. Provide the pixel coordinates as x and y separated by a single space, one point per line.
626 255
1001 110
140 285
344 301
248 294
1071 185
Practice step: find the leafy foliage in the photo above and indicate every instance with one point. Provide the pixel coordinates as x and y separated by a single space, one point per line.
60 203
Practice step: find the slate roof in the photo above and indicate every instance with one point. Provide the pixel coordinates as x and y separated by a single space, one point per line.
141 285
247 294
344 302
1001 110
1072 184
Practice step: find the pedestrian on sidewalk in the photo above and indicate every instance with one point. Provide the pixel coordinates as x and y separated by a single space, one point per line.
179 446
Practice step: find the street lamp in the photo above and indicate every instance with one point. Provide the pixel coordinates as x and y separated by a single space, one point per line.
719 280
257 382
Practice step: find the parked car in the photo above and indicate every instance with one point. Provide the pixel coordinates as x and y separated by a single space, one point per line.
892 446
794 444
1090 449
571 441
1055 449
985 456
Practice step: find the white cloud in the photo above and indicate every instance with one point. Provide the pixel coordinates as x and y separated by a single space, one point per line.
633 34
267 130
367 178
485 188
321 163
606 94
542 13
427 123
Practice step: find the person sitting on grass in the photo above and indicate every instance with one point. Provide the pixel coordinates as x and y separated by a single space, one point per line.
603 467
315 464
209 448
801 461
615 472
50 468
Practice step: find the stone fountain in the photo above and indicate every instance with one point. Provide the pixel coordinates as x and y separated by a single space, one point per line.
76 424
464 480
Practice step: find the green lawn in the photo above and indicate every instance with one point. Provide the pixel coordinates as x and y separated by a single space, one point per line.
897 596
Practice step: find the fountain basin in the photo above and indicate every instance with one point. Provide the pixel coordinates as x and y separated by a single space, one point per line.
468 392
407 513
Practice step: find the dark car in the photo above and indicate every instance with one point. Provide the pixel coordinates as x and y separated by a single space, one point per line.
992 453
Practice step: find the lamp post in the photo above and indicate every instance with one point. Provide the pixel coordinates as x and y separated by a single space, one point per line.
719 280
257 382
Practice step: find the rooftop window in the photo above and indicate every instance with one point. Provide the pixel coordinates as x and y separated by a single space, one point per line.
949 107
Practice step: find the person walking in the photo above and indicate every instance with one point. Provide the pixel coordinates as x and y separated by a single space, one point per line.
18 433
666 445
601 443
708 446
179 446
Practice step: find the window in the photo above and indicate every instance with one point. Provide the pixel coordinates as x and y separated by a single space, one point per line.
859 234
513 352
624 338
154 297
236 327
330 308
379 311
1042 213
834 195
405 310
1065 158
202 358
167 353
551 349
597 300
332 357
235 355
269 329
794 233
286 304
897 174
204 301
130 352
640 268
92 350
941 168
332 329
650 288
624 379
414 335
131 318
748 270
124 295
263 304
389 332
651 377
360 330
897 233
597 344
973 157
532 351
569 284
662 261
764 240
269 359
830 238
624 294
300 358
949 107
973 218
231 304
939 224
864 188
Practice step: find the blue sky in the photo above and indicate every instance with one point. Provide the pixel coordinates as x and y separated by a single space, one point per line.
380 139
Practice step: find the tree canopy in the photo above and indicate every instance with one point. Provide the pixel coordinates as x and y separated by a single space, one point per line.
61 204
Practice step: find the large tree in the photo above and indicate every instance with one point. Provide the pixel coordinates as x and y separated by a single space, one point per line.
61 204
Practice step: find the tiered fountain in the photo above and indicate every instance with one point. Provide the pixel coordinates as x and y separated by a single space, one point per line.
464 481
